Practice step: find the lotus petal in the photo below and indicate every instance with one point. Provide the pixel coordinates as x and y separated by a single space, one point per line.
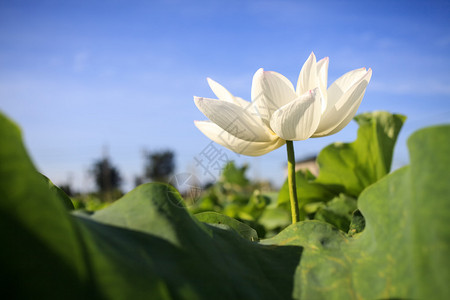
218 135
270 91
307 80
298 120
234 119
341 113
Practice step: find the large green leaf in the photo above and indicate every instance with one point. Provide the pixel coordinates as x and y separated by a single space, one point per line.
149 237
59 193
351 167
404 249
144 246
348 167
41 256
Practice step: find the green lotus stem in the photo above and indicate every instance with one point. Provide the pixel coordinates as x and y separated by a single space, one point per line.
291 182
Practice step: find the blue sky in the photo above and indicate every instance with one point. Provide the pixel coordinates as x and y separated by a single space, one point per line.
82 76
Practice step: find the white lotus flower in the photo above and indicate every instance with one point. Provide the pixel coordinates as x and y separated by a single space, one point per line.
280 113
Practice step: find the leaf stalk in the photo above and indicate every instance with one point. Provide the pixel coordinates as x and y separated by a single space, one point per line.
291 182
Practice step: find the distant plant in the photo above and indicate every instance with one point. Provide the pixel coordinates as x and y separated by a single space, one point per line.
236 196
89 203
159 167
107 179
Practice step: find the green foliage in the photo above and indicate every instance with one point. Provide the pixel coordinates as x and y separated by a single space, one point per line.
89 202
226 222
308 193
337 212
234 175
357 224
67 202
351 167
42 257
147 245
346 169
403 250
235 196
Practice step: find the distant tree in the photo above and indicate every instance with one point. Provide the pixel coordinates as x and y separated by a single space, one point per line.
138 180
159 165
67 188
107 178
